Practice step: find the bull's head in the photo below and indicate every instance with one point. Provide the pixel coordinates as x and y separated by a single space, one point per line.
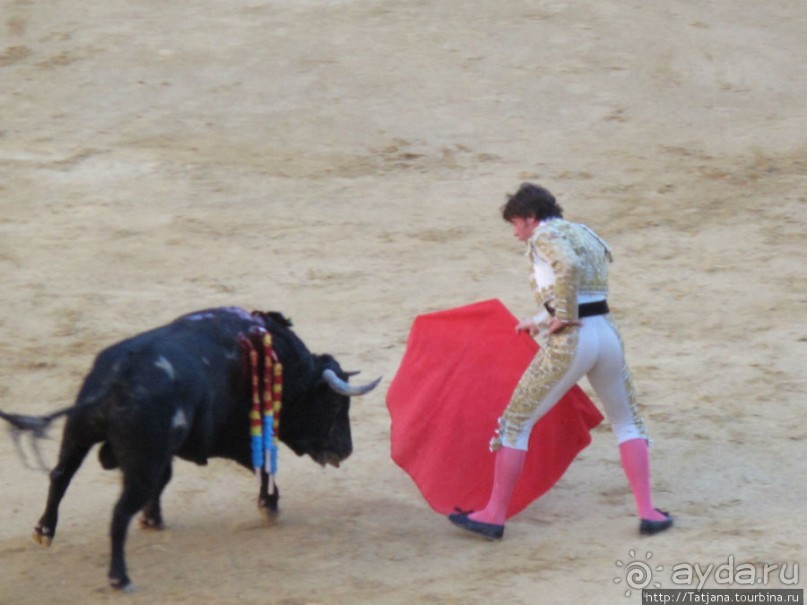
317 423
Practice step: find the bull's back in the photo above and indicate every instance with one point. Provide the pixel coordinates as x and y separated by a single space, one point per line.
183 384
160 383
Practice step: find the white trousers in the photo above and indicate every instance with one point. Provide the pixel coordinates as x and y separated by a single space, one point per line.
594 350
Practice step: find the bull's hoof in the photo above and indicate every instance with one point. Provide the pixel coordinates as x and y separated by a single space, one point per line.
123 584
151 523
268 504
271 512
43 536
269 508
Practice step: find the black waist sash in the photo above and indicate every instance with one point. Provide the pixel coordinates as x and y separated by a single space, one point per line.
599 307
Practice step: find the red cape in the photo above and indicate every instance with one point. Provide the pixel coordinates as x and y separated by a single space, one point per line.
457 374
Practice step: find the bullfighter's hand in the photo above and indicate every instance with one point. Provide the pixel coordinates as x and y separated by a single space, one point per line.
527 325
556 325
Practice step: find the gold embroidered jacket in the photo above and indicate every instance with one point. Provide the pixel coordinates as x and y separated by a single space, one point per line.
569 266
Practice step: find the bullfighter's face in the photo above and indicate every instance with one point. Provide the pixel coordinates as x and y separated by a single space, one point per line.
524 227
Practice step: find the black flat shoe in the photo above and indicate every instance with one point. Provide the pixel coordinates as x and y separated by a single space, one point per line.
649 528
491 531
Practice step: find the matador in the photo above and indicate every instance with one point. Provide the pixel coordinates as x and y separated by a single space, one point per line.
569 278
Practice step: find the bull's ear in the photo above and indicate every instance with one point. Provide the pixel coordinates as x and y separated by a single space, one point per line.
280 318
274 316
343 388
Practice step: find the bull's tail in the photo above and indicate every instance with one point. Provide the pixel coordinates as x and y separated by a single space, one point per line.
35 426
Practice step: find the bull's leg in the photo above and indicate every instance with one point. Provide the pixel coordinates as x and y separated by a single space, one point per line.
152 517
139 483
268 502
70 458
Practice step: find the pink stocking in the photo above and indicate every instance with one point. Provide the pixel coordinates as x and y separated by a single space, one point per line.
636 464
509 462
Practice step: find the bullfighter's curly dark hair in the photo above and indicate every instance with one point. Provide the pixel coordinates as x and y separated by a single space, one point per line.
531 201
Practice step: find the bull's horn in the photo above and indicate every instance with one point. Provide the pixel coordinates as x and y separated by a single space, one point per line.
343 388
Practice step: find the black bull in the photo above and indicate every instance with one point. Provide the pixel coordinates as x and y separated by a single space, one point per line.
185 389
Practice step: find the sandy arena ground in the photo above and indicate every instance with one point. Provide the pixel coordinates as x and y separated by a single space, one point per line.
344 161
